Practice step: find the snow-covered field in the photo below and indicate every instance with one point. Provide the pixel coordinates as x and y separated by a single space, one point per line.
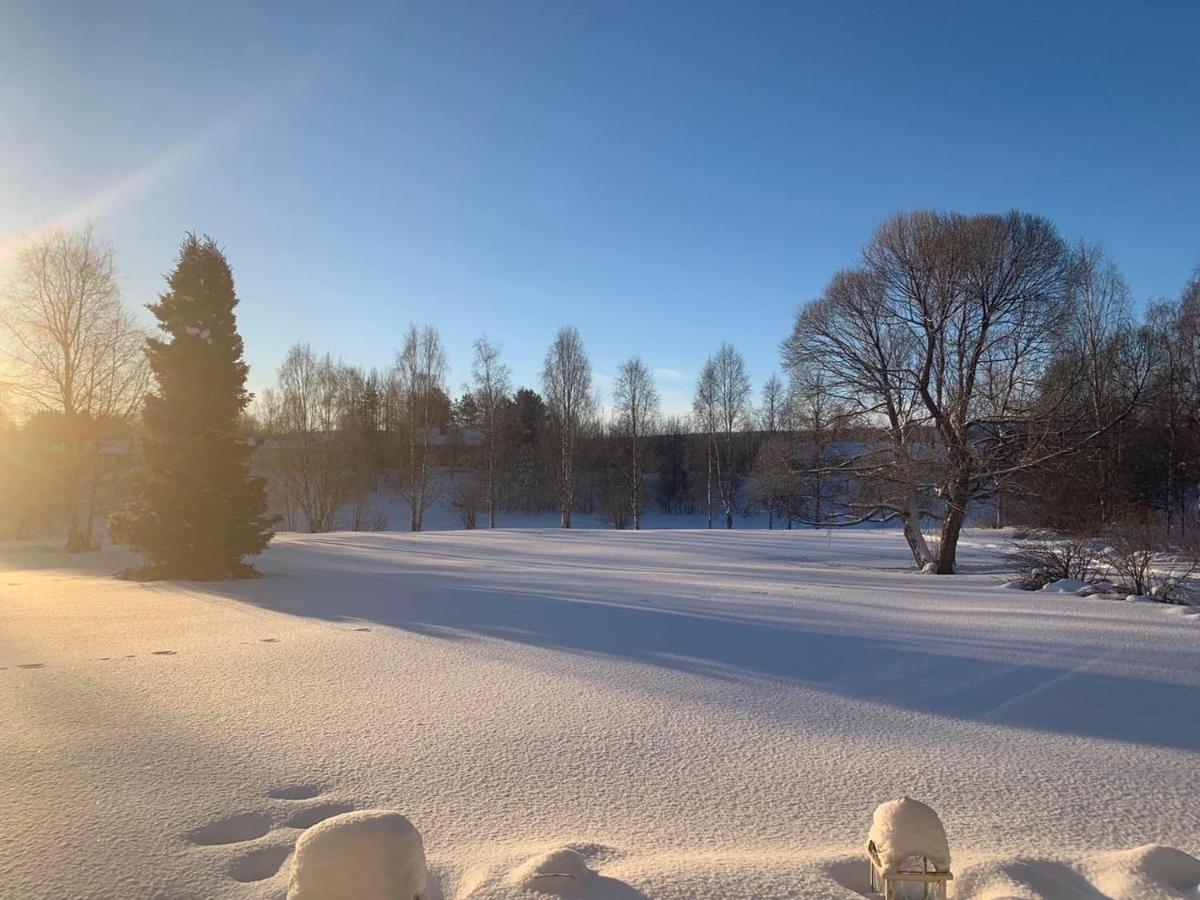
700 714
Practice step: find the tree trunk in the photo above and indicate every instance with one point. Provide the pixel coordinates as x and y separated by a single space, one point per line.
922 555
635 496
89 528
708 487
71 485
948 548
568 475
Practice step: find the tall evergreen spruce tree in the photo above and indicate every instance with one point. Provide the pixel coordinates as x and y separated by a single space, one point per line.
196 511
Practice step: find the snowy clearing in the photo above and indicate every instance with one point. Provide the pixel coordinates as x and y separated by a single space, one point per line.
696 714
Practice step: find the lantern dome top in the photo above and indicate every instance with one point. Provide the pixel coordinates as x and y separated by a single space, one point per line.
905 828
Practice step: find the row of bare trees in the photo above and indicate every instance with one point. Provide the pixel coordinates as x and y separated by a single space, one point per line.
329 429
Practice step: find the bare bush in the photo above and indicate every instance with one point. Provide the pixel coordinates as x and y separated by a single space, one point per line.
1046 556
466 503
1149 563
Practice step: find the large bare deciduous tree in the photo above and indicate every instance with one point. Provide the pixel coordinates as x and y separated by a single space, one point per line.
943 338
636 400
73 350
567 386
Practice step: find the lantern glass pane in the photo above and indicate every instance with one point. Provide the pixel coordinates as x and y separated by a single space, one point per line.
917 890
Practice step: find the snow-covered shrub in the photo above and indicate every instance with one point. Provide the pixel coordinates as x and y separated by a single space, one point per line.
370 853
1148 562
1044 557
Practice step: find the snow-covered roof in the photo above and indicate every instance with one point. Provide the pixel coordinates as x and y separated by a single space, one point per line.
905 828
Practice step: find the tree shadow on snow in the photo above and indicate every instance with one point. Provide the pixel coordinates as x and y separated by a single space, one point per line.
921 672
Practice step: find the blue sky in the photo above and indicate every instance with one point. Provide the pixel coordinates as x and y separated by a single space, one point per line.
663 176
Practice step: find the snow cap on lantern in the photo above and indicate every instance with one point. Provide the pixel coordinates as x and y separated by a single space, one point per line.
907 844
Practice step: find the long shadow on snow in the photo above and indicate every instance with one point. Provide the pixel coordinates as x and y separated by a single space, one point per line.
873 668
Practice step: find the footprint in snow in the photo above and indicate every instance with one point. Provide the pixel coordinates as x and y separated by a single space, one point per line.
307 818
260 864
234 829
295 792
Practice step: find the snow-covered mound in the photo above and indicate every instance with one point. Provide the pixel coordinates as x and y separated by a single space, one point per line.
558 871
1150 871
369 854
905 828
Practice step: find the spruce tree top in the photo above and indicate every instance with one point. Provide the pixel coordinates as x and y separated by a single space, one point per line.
201 367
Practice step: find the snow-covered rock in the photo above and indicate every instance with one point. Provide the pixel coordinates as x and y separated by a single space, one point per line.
1065 586
370 854
905 828
1097 587
561 870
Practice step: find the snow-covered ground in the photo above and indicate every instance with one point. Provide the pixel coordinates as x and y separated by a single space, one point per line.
698 714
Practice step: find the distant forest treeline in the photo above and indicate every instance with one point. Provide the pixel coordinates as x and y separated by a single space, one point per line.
964 362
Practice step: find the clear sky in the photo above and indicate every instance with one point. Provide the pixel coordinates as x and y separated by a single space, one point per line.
663 176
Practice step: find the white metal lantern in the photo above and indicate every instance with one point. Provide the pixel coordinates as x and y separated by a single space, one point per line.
908 852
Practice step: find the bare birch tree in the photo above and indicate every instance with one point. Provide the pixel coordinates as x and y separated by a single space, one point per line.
637 408
567 387
731 406
307 453
773 413
73 350
491 388
705 417
420 379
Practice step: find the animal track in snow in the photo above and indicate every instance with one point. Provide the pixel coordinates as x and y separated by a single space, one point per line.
233 829
260 864
295 792
306 818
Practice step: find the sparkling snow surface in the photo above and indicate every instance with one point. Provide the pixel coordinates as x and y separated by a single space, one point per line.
697 714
